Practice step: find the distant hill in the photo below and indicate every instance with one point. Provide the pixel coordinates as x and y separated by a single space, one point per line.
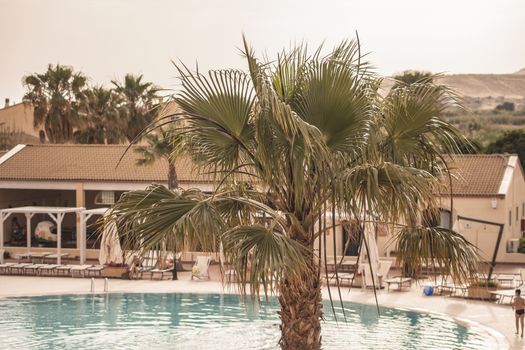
509 86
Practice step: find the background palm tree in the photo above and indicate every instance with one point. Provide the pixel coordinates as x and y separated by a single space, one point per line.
57 96
102 119
162 144
167 145
292 140
138 100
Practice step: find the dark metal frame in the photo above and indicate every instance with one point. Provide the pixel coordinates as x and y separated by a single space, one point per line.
498 242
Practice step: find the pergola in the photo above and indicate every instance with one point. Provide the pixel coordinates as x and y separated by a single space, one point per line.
84 217
55 213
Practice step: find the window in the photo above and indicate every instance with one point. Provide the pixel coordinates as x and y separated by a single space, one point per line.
510 217
523 210
445 218
517 213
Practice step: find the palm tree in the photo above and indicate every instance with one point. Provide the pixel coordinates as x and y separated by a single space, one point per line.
57 96
162 144
291 140
167 145
102 119
139 100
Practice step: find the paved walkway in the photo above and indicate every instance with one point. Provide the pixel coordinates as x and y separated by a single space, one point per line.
497 317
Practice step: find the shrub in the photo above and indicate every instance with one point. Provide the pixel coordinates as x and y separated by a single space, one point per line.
505 106
521 248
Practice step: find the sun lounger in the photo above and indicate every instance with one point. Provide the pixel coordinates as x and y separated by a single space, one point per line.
76 270
6 268
504 294
399 281
23 256
160 273
38 256
31 269
54 257
94 271
18 269
63 270
48 270
200 269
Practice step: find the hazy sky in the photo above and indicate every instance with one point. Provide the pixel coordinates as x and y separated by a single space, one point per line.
108 38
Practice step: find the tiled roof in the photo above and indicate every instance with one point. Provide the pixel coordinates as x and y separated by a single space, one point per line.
477 174
89 163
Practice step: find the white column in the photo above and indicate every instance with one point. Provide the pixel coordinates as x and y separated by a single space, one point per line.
60 216
28 230
83 219
2 237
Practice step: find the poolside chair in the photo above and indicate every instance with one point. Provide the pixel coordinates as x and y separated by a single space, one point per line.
75 270
94 271
48 270
38 256
32 269
54 257
18 269
5 269
446 285
161 273
63 270
382 274
200 269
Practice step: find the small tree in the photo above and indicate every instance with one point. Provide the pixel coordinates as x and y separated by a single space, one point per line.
505 106
410 77
510 142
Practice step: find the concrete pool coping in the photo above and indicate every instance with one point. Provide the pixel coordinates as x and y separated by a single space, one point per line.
412 300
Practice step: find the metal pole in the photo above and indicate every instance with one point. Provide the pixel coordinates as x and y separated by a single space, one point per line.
500 234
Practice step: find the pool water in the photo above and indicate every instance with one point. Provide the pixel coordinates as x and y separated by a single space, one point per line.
210 321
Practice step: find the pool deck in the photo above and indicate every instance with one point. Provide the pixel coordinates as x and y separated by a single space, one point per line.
492 316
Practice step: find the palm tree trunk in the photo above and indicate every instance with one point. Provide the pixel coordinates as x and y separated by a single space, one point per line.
173 182
301 312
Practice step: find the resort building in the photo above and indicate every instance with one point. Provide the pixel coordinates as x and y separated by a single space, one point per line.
16 124
87 176
489 188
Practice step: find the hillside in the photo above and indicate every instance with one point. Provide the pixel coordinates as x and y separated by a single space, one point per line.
509 86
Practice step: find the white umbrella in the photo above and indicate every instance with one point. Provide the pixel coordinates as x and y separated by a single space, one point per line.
370 258
110 250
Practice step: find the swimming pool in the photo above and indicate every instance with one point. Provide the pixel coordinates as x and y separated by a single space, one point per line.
210 321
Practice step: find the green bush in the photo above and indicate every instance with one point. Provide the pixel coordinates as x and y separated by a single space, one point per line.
521 248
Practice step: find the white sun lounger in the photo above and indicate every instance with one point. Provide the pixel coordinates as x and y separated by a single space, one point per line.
48 270
32 269
6 268
18 269
54 257
160 273
94 271
200 269
38 256
77 270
